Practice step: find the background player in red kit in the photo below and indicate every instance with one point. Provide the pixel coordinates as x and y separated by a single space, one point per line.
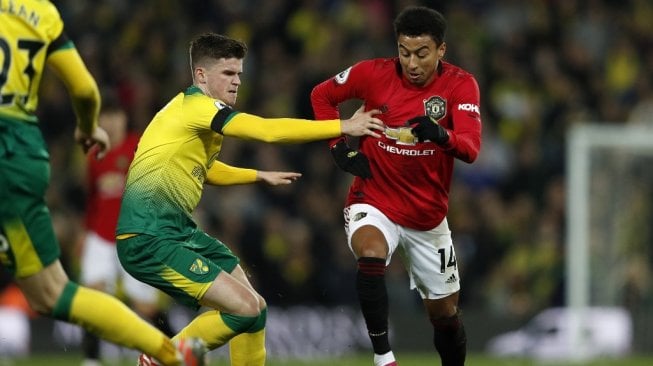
99 265
399 196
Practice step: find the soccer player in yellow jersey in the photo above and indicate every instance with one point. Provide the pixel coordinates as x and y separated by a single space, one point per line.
158 241
31 37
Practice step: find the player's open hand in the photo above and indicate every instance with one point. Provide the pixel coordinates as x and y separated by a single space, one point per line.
277 178
363 123
98 138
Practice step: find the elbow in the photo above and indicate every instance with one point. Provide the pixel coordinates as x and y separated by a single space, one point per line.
271 135
470 157
275 139
314 97
315 93
85 88
86 94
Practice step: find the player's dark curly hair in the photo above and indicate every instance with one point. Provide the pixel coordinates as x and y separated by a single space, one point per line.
215 46
418 20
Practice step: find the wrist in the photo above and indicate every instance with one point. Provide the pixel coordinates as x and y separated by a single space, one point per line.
443 136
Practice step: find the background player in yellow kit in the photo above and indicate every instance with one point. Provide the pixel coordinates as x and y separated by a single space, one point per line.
32 36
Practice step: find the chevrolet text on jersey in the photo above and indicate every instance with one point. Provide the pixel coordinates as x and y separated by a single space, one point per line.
405 152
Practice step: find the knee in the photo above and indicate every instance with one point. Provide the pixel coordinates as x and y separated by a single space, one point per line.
446 307
262 305
250 306
369 242
372 249
44 289
246 324
45 298
447 323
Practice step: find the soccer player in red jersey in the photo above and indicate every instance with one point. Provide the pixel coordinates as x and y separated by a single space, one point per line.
100 268
399 195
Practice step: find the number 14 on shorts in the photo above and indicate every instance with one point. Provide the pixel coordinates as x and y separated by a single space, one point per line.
450 259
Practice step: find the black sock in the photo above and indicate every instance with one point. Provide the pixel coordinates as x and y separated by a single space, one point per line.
90 346
160 320
373 298
450 340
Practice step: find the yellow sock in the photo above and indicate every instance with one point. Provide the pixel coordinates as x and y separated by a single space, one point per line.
210 327
110 319
248 349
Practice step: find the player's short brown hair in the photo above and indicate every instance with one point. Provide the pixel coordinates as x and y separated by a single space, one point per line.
215 46
415 21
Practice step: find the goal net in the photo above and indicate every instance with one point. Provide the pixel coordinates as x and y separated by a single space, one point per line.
609 244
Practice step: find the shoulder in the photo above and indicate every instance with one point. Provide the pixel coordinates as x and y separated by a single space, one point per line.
455 72
49 20
39 18
369 70
379 64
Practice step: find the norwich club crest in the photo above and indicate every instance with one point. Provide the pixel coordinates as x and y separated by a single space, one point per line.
435 107
198 267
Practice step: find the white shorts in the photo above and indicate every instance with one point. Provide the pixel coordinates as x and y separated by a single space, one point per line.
100 263
429 256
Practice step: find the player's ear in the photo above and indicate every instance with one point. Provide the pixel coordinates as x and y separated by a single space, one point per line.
200 75
442 49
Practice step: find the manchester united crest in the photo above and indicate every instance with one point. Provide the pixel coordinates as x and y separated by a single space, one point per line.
436 107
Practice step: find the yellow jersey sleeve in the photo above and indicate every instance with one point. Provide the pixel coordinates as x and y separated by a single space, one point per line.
83 90
280 130
224 175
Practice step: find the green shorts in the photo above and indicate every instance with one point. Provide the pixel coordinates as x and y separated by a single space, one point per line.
182 266
27 239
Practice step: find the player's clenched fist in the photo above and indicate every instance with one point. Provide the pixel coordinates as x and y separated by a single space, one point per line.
350 160
425 128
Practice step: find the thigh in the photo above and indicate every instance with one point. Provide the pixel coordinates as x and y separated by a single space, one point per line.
214 250
176 264
230 295
430 260
27 239
359 215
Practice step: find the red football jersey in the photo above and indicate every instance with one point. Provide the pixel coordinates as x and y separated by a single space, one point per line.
106 183
410 180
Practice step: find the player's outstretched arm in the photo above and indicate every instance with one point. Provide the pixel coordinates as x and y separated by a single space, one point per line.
362 123
222 174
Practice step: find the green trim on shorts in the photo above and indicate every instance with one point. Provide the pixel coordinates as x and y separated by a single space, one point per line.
260 322
245 324
62 308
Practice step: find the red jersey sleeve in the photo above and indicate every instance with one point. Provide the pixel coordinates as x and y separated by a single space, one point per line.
349 84
465 136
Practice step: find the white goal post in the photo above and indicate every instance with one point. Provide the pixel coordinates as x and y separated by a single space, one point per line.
625 142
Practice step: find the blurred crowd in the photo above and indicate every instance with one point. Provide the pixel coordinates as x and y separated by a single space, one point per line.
542 66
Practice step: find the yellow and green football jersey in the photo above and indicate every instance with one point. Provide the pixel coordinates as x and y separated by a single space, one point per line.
29 31
166 177
182 142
